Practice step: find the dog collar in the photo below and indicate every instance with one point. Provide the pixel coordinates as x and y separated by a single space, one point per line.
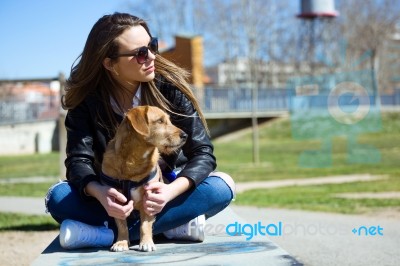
127 185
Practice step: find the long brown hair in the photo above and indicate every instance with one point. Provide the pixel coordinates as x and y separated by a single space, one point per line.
89 75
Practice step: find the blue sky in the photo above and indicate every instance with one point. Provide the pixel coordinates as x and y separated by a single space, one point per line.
41 38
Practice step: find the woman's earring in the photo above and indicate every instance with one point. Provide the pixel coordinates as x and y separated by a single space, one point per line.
115 71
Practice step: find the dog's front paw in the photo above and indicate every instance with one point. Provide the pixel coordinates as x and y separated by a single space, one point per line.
120 246
147 246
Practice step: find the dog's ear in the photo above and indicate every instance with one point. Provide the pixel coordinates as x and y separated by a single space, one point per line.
138 119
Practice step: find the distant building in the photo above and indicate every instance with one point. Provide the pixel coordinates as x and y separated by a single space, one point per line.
188 53
29 101
241 73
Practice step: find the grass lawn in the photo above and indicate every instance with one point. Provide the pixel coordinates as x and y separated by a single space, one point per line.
280 153
25 189
30 165
22 222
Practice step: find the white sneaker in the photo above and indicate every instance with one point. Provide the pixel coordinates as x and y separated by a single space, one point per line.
193 230
74 234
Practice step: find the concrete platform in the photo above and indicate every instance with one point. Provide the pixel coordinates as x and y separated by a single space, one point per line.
219 248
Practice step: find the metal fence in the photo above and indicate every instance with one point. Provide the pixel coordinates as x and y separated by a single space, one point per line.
236 100
244 100
15 109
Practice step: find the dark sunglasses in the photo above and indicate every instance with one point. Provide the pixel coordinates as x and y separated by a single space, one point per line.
142 54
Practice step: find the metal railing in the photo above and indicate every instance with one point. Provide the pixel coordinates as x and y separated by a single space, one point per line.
273 101
215 102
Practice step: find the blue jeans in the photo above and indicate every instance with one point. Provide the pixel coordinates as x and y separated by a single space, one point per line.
211 196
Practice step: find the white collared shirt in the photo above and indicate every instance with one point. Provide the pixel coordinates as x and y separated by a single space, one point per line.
135 102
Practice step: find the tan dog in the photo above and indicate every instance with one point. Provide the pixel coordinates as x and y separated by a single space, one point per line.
132 156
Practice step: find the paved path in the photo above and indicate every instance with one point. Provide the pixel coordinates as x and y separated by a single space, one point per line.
32 179
307 181
24 205
317 238
369 195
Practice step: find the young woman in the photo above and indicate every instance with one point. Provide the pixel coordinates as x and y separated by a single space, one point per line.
118 69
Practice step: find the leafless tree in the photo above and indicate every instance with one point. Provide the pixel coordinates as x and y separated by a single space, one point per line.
368 26
269 31
258 29
165 18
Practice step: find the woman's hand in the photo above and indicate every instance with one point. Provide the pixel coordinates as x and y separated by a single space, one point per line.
156 196
112 200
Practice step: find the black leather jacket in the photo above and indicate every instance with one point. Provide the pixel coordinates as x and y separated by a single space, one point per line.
87 140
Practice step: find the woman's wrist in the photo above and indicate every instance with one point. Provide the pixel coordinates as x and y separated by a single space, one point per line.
179 186
92 189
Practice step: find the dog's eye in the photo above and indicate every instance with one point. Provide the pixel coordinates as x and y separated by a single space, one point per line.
160 121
